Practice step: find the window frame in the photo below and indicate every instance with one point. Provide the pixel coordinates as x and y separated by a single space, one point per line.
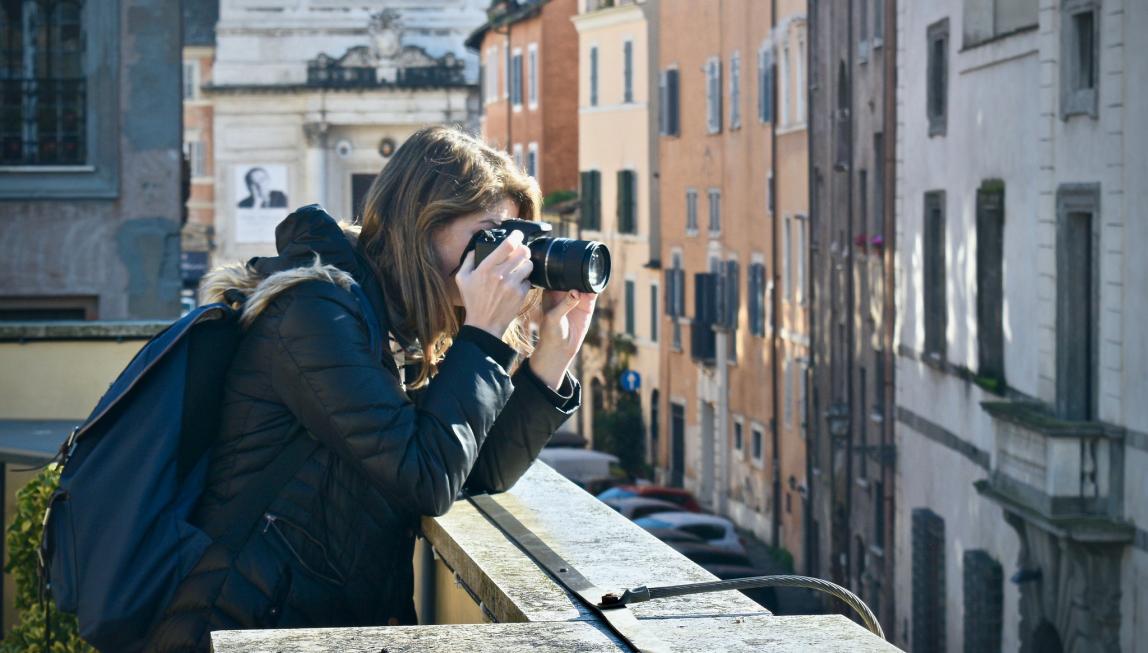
516 96
669 111
934 291
937 117
766 72
99 176
714 213
691 211
532 159
735 91
592 72
1073 100
714 93
532 76
628 71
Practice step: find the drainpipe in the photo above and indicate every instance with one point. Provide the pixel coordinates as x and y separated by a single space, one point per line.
811 420
776 301
851 308
888 475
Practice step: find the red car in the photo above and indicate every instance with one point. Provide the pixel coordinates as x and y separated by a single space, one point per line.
675 495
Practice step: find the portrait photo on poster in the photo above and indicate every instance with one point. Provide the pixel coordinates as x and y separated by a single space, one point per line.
262 194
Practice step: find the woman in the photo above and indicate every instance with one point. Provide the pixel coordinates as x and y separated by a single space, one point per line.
449 407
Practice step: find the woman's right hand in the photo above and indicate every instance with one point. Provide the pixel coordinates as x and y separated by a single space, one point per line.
494 293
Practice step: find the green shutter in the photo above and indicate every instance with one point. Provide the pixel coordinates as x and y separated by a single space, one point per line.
627 221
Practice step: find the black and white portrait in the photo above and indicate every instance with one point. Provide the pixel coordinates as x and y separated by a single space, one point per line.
261 189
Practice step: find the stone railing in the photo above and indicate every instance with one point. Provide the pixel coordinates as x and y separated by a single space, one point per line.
485 594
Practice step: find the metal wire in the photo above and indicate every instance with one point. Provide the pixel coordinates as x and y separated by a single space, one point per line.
850 599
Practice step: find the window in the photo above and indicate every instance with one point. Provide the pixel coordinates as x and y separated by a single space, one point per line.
196 160
630 299
990 280
43 80
984 601
786 259
757 299
769 194
506 75
935 303
879 514
516 79
737 434
532 160
703 339
787 401
878 184
492 74
765 85
863 202
190 80
862 30
842 126
594 76
653 312
715 211
799 92
675 300
627 202
878 23
937 83
757 443
691 211
928 585
532 63
1077 305
713 95
799 259
591 199
628 72
668 112
735 91
731 285
1080 57
518 162
783 86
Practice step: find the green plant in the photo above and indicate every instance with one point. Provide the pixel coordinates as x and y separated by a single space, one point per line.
619 432
558 197
23 563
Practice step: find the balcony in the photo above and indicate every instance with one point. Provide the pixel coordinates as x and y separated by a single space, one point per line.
482 593
1063 475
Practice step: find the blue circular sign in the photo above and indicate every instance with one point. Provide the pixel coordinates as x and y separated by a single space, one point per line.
631 381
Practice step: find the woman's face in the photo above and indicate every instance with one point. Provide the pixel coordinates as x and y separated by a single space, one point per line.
451 241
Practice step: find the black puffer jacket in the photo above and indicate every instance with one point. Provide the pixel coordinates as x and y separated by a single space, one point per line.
335 547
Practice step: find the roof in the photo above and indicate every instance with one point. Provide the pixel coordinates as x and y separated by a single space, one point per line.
199 19
502 13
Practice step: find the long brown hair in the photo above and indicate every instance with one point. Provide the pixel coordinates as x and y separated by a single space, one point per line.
438 175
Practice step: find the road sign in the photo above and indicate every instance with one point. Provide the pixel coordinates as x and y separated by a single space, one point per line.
631 381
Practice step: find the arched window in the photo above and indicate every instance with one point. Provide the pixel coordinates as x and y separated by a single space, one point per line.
42 83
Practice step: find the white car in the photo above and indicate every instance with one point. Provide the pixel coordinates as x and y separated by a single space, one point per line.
716 531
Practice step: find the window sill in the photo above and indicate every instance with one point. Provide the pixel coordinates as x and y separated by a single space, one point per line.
691 232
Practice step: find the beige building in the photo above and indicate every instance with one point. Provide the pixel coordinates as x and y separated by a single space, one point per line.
617 159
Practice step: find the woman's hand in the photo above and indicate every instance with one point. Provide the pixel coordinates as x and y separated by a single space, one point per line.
494 293
564 325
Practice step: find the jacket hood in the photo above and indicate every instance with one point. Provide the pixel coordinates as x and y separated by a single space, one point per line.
312 246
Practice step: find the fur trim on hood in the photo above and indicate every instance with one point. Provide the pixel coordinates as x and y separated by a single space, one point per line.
255 291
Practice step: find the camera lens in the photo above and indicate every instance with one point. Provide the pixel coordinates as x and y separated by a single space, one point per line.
566 264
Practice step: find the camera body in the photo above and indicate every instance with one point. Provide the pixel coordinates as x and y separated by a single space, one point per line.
559 263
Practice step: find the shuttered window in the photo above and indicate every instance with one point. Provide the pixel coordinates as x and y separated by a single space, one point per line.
703 339
653 313
713 96
591 195
691 210
669 111
984 601
594 76
937 82
990 280
765 85
715 210
630 309
627 202
757 299
928 584
628 72
935 303
735 91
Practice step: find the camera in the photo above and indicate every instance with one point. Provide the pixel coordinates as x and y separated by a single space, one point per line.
559 263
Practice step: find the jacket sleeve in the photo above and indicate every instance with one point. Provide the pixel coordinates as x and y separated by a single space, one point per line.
328 377
532 415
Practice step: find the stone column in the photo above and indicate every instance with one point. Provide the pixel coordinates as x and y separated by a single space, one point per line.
315 167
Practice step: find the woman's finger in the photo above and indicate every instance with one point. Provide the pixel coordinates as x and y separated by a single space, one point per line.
467 266
560 310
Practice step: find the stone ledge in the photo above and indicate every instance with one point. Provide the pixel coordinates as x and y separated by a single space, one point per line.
81 330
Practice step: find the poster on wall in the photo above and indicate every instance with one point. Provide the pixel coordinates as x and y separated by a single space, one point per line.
262 200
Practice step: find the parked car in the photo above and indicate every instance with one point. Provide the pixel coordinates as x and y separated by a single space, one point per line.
675 495
764 596
704 554
638 507
717 531
671 535
579 465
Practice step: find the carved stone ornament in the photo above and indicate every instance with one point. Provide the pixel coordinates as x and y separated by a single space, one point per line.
386 34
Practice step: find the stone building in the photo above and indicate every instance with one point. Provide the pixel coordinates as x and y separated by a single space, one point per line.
90 196
310 98
851 86
733 205
529 55
1021 364
199 19
617 162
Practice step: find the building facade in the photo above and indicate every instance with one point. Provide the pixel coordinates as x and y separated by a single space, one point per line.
733 204
852 458
198 234
309 102
1020 368
617 163
90 173
529 55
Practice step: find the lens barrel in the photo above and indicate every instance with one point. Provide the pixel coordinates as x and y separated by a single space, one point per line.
567 264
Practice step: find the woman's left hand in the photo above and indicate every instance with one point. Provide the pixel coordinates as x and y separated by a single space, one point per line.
564 325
